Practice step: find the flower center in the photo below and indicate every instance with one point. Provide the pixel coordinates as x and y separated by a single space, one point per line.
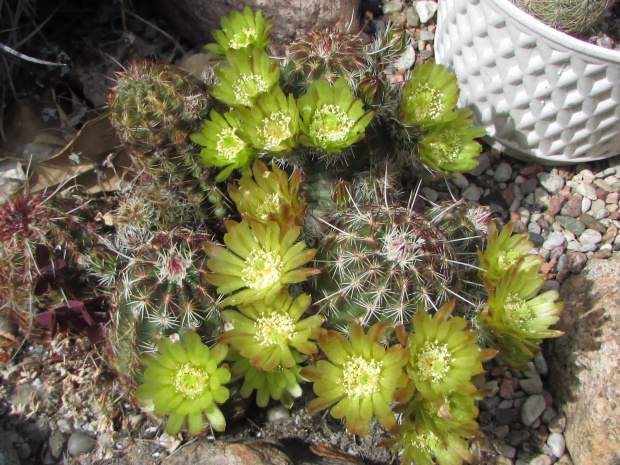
242 38
274 130
517 309
270 205
190 381
274 329
428 103
449 147
360 378
433 361
249 86
331 124
506 259
263 269
402 247
229 144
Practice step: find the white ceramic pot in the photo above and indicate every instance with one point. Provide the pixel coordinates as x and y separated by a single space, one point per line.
540 93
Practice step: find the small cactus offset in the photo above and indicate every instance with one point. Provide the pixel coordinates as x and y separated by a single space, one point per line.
154 108
161 291
382 264
571 16
327 55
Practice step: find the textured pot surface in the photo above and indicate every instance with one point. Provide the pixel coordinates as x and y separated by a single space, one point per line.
540 93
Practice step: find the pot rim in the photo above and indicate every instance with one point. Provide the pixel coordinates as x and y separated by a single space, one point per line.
535 25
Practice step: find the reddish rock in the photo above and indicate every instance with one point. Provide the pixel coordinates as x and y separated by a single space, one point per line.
592 223
547 267
506 389
555 204
572 208
531 170
508 195
195 19
610 234
585 363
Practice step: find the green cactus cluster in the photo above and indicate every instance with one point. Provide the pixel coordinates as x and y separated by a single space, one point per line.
317 261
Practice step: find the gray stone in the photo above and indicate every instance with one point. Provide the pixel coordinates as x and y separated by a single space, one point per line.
571 224
558 424
506 416
557 444
517 437
548 415
586 203
562 263
587 190
483 164
503 172
507 451
529 186
391 7
564 460
554 240
80 443
501 460
426 10
430 194
531 385
472 193
591 235
8 454
551 182
541 197
427 35
460 181
534 227
587 247
542 459
532 408
413 20
489 403
56 444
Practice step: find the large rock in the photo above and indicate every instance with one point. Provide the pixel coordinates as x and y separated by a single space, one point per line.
250 452
195 19
585 363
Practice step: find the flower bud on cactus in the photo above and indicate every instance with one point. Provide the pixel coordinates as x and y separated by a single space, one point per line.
570 16
265 195
382 264
154 108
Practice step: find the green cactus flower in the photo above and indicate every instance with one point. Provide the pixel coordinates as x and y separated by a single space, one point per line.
185 380
429 96
265 195
425 442
246 77
225 144
273 123
262 260
450 147
517 318
504 250
444 354
265 334
280 384
241 31
333 118
360 378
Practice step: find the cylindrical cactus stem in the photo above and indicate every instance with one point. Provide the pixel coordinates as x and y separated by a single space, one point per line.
382 264
154 108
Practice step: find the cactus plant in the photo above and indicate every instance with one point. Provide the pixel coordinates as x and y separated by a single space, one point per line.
382 264
571 16
154 108
162 290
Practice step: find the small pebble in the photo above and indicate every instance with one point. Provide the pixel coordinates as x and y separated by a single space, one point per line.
564 460
391 7
503 172
572 208
413 20
557 444
80 443
571 224
426 10
279 412
501 460
507 451
558 424
460 181
586 203
552 183
532 408
554 240
431 194
531 385
541 197
590 235
541 460
472 193
483 164
587 190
